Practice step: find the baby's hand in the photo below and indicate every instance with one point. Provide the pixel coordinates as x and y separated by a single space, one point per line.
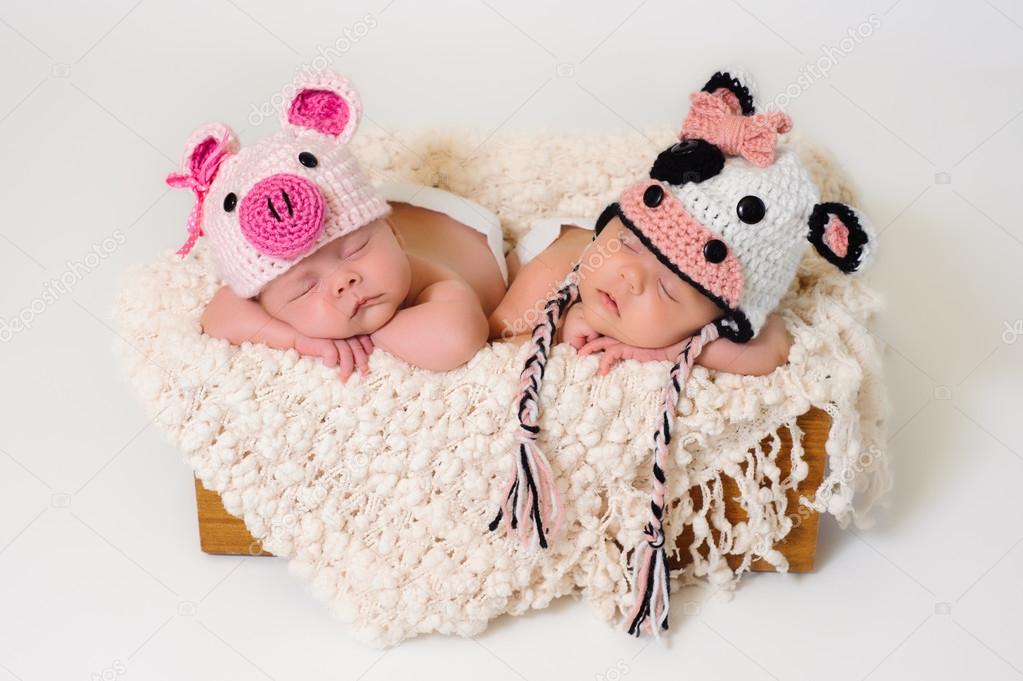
323 348
353 353
575 331
612 350
347 353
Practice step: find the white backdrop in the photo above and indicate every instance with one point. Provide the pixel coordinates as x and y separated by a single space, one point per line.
100 572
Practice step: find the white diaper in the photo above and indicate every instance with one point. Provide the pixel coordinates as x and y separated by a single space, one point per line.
455 207
543 233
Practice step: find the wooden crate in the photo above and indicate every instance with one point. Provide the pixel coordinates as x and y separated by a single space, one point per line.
222 533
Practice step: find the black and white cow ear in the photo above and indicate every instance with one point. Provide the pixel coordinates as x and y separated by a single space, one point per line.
740 85
842 236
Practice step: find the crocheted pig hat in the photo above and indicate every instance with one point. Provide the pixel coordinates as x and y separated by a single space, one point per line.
268 205
730 215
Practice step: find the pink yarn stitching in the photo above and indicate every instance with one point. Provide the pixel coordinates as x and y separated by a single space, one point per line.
321 110
204 162
681 238
753 137
836 236
282 215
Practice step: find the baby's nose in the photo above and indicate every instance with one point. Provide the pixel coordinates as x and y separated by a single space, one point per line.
343 281
282 215
632 277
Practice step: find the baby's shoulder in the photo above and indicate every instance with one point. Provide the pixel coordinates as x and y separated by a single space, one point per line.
453 289
439 282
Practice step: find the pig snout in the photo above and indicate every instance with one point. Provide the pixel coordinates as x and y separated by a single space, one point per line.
282 215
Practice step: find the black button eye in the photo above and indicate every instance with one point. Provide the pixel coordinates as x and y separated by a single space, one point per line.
653 196
750 209
715 251
308 160
230 201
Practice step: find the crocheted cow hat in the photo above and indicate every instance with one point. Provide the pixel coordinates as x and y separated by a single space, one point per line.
730 215
266 206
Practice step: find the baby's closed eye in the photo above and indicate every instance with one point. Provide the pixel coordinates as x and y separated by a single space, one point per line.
303 287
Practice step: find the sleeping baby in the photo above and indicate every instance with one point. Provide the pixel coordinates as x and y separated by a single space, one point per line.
638 299
315 259
630 304
692 259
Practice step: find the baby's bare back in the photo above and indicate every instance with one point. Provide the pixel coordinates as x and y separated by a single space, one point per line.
443 240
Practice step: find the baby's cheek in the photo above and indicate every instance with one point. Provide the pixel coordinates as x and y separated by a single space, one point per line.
648 328
318 321
381 315
599 320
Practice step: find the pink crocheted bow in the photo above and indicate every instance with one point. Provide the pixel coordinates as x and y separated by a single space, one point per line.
752 137
203 166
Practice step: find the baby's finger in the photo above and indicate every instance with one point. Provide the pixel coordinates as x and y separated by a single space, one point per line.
359 354
344 371
367 344
329 354
345 360
608 360
598 345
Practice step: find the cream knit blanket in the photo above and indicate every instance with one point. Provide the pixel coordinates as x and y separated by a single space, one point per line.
379 491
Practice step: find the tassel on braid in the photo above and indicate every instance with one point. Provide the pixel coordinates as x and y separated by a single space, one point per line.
650 560
532 494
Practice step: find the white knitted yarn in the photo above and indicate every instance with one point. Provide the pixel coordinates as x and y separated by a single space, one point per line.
769 250
349 198
379 491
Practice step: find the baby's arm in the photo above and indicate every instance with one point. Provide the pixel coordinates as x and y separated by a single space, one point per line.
534 283
238 320
758 357
442 331
575 330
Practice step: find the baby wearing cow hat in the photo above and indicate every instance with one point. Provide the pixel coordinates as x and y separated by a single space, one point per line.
729 215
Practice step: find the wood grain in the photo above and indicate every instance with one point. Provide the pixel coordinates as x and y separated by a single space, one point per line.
219 531
222 533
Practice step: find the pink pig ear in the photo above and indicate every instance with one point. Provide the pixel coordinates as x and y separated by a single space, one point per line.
324 102
843 237
205 150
